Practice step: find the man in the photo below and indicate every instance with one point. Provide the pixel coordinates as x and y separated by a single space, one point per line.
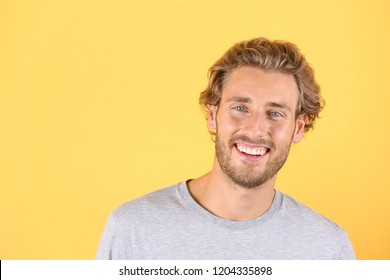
261 97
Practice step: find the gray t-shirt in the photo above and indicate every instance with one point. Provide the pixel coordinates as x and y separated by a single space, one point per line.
170 224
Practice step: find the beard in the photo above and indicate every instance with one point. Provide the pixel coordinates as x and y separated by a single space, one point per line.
247 175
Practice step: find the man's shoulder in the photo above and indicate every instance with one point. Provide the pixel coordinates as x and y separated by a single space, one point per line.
315 230
305 216
158 201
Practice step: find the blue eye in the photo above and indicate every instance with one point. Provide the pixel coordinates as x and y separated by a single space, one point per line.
239 108
275 114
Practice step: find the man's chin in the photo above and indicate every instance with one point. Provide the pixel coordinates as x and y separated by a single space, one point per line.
249 182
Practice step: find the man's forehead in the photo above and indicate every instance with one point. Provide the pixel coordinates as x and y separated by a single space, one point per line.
253 85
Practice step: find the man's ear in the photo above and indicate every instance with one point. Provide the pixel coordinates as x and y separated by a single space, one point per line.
299 128
212 117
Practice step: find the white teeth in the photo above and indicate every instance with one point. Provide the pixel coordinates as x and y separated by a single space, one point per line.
257 151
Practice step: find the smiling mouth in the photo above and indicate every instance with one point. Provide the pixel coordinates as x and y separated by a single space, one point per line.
252 151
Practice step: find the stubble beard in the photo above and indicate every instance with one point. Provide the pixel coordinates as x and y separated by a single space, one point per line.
247 176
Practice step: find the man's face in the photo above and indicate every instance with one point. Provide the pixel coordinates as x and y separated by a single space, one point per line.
255 125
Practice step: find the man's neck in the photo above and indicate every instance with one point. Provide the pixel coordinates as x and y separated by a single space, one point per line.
223 198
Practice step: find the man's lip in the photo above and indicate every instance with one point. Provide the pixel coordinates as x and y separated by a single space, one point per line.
252 150
250 158
251 145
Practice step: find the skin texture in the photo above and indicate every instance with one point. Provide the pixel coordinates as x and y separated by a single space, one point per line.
256 113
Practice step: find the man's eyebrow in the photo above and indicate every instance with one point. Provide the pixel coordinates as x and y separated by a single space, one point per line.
240 99
278 105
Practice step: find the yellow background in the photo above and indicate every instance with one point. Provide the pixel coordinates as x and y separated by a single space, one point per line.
98 105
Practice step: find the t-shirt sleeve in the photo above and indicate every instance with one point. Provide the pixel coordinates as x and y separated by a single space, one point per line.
346 249
105 249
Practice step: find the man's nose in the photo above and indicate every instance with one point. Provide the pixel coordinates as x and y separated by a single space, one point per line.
257 125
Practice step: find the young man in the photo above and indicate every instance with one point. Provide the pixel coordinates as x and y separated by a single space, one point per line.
261 97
